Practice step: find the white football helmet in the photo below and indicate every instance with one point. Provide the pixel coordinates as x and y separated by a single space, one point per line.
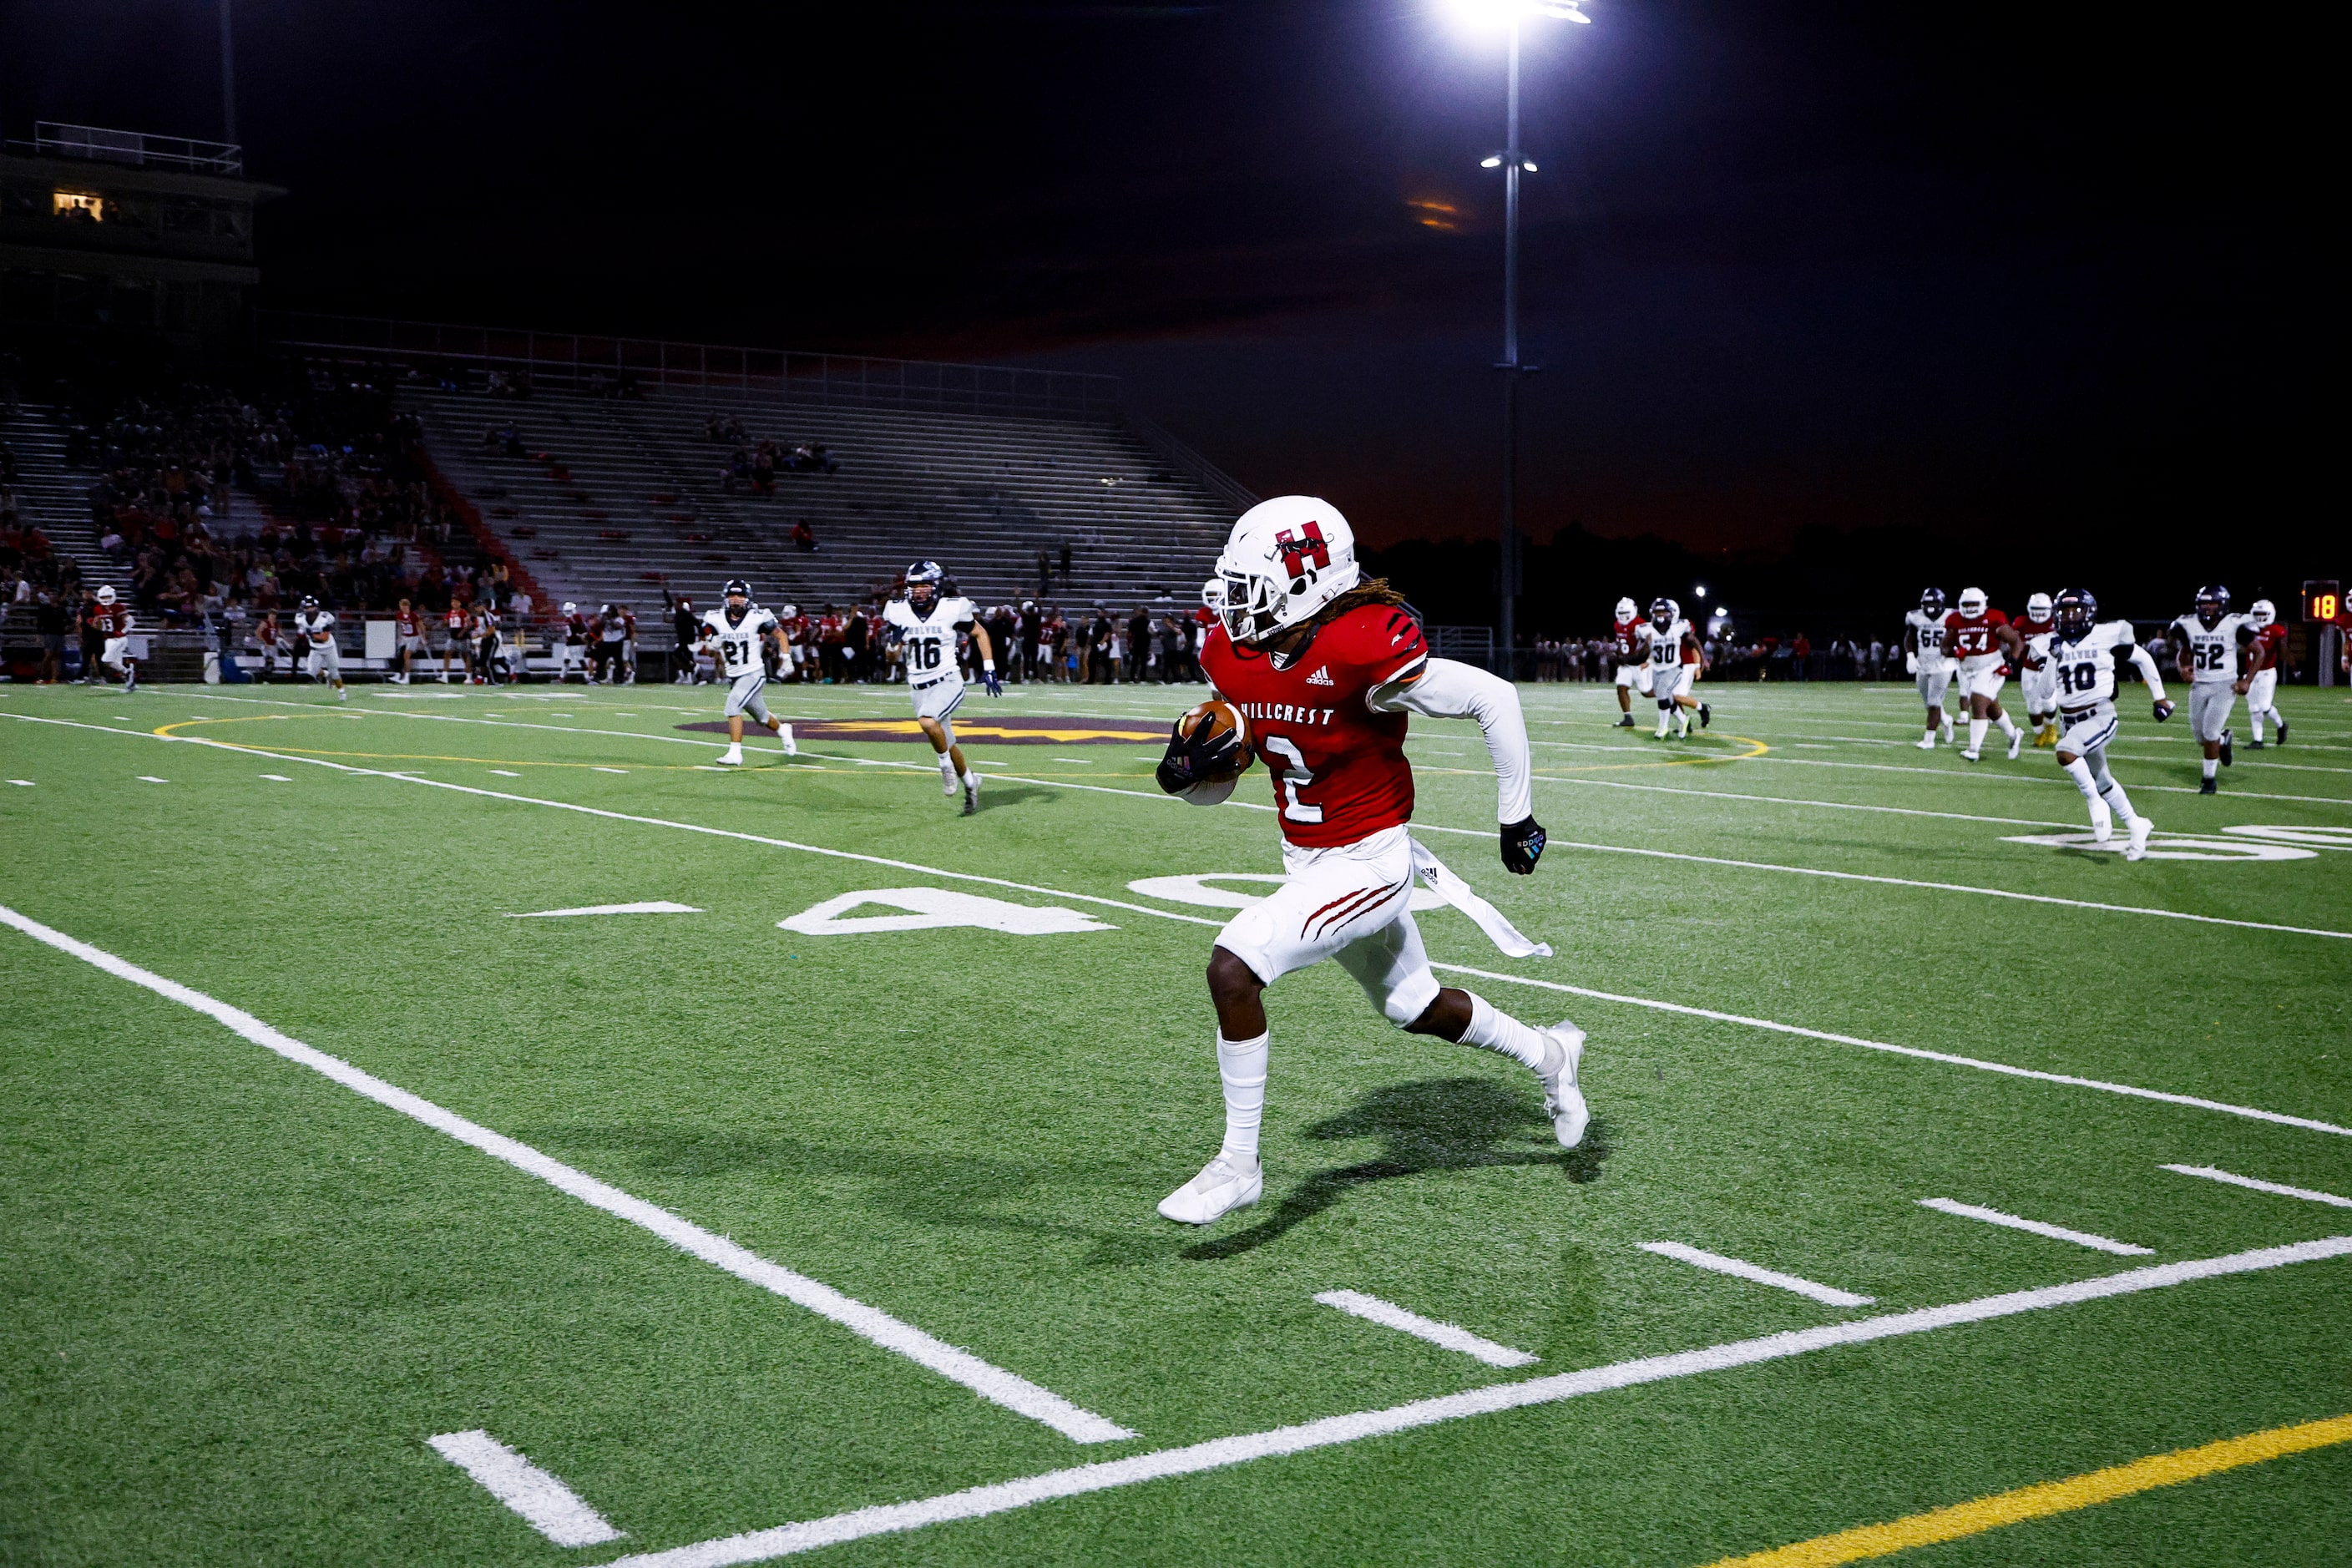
570 608
1285 560
1626 612
1972 602
106 594
2038 607
2261 612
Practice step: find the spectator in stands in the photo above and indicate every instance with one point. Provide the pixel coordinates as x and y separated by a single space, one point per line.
49 617
804 537
1033 622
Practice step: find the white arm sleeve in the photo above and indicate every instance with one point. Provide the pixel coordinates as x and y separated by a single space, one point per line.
2140 657
1450 689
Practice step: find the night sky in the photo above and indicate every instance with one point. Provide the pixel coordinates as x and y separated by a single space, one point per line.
2019 279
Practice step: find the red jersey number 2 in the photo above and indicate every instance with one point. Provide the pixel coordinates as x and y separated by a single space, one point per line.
1294 781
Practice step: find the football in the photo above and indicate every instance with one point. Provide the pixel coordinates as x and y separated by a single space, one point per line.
1220 716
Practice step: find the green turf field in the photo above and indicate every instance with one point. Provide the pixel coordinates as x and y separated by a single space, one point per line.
241 1295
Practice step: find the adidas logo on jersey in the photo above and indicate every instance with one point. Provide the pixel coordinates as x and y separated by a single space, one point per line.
1322 677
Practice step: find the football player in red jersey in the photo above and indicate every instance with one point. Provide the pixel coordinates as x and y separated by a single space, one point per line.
112 620
1323 667
1629 646
408 637
1982 640
2269 653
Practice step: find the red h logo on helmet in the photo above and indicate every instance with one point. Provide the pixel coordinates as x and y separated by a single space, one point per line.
1297 554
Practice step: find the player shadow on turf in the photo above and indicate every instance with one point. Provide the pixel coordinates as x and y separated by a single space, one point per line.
1437 1124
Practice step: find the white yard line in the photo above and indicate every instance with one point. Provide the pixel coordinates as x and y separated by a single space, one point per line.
870 1323
546 1504
25 783
2033 779
1004 1496
2193 1102
1388 1315
1920 1052
1829 1295
1823 804
2038 1227
655 906
2308 1195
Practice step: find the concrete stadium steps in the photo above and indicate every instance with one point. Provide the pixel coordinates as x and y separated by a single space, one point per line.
55 498
982 495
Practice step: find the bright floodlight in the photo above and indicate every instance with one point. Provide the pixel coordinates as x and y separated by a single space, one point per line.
1493 163
1493 12
1700 590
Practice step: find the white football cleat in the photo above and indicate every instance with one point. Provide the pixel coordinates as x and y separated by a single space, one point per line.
1972 756
2016 743
948 782
733 758
1926 742
2103 822
971 796
2137 848
1563 1100
793 748
1223 1186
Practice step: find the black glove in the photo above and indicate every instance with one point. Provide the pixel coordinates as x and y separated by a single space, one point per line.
1523 846
2163 710
1195 757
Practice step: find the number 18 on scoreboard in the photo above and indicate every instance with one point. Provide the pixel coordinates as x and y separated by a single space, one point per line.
2323 601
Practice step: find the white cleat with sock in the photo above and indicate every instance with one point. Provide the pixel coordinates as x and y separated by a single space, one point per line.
1927 741
733 758
2016 742
1224 1185
792 748
947 779
1563 1099
2103 822
970 794
2139 828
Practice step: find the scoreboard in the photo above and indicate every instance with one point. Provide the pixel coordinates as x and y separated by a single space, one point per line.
2323 601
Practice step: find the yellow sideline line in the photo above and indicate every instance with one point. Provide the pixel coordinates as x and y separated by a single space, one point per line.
2048 1497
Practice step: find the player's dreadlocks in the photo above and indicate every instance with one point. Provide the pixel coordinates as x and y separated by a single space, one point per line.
1374 592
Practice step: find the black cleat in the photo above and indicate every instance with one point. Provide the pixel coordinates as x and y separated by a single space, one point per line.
2209 787
1706 715
1626 721
2227 759
2255 745
2282 739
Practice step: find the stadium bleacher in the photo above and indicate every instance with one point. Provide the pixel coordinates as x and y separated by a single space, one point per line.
54 497
619 498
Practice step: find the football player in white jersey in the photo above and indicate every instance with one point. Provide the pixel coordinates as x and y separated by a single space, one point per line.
1670 673
1923 655
738 633
2039 681
927 624
2213 645
2083 654
2261 691
1628 645
314 633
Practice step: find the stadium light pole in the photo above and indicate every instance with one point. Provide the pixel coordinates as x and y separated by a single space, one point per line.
228 77
1514 161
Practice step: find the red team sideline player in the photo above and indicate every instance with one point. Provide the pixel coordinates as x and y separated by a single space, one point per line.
1324 669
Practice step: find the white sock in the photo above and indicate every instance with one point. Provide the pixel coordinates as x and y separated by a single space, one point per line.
1497 1031
2008 727
2080 772
2256 716
1977 728
2118 801
947 766
2212 767
1242 1065
1930 736
969 782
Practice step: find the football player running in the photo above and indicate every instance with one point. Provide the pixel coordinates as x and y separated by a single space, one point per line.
314 633
738 632
2213 644
1324 669
1983 642
2083 653
2034 676
1628 645
113 623
928 625
1673 655
1922 651
2270 652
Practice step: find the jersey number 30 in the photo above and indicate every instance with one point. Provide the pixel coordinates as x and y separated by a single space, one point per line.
1294 781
